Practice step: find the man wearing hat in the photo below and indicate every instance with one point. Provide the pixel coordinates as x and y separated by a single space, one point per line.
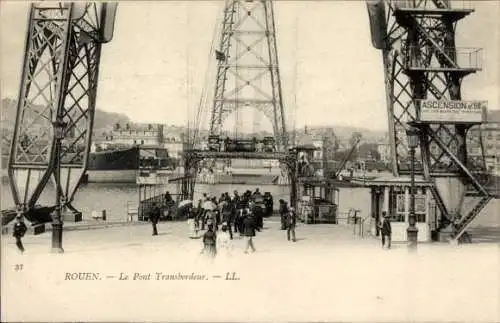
236 211
386 230
227 217
249 230
291 221
155 217
19 231
283 211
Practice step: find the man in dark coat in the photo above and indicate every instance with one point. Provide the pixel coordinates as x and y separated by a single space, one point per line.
19 231
283 212
249 230
258 208
268 201
227 217
236 211
168 199
386 230
291 222
155 217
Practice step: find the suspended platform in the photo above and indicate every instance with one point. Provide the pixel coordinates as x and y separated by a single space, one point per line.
238 155
453 13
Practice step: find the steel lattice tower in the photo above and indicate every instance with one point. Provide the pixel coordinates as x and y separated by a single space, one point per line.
245 77
59 79
421 61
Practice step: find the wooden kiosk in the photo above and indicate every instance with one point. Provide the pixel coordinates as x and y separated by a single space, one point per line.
317 201
392 195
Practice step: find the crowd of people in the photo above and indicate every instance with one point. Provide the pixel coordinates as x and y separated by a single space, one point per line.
238 215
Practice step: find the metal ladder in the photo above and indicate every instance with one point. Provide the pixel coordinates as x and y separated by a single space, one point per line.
464 223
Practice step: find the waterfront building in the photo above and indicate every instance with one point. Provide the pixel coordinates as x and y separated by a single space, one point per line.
392 195
136 134
491 143
157 135
318 144
174 142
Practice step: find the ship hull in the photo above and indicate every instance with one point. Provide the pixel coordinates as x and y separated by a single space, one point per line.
118 166
124 165
112 176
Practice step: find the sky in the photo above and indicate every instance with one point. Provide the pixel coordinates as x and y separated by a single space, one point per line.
154 68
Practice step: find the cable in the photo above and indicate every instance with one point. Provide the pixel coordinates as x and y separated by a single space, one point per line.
203 96
295 79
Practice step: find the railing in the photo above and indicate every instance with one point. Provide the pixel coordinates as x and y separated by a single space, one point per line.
168 210
452 58
430 4
350 218
317 213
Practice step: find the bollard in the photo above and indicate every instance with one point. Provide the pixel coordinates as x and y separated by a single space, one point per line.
37 229
103 215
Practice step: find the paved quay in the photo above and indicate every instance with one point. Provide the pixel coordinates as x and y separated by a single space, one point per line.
328 274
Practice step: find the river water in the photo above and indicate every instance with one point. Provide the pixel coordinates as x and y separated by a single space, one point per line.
114 197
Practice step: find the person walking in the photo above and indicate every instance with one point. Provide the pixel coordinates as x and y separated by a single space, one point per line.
155 217
291 222
386 230
283 210
224 246
19 231
236 211
249 230
192 225
210 241
241 221
227 217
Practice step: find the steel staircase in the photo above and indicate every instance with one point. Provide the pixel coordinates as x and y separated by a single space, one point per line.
463 224
417 66
412 22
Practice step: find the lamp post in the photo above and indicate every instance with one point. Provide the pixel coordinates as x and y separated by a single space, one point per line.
294 172
57 222
412 231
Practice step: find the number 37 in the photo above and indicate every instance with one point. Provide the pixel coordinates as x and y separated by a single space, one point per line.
18 267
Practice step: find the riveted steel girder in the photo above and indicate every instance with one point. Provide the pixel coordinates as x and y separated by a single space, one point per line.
248 70
59 80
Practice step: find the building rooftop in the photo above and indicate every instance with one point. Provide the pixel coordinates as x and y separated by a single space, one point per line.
138 127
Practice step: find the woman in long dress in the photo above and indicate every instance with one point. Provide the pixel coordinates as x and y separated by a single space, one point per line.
210 242
224 245
192 227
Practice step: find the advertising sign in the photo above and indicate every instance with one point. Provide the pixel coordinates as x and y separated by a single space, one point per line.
452 111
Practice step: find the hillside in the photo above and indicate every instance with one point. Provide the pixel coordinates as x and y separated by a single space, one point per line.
103 120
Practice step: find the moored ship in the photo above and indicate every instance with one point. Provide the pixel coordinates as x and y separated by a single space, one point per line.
113 165
120 164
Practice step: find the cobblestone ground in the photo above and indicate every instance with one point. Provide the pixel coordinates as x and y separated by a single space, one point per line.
326 275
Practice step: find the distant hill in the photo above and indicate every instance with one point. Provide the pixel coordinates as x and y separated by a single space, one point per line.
342 133
103 120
